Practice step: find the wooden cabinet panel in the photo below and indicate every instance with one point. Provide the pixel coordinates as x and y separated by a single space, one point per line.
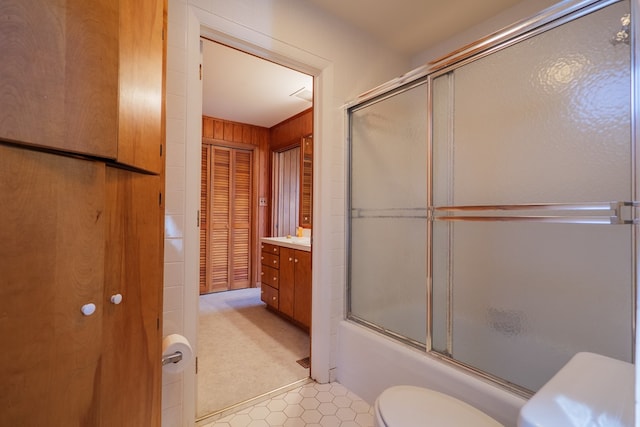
59 74
52 263
141 83
306 182
133 270
85 77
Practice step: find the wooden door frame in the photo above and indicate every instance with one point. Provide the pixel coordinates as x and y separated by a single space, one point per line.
254 233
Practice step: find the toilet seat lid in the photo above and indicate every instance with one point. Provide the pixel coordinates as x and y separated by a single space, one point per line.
409 406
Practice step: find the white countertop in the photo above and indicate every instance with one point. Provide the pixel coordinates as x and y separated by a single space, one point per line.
300 243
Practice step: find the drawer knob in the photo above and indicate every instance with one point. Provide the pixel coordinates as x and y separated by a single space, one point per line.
295 260
274 298
88 309
275 249
290 259
275 278
262 273
275 261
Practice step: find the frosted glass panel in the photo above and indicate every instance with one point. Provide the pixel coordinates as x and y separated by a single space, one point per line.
388 237
528 296
545 120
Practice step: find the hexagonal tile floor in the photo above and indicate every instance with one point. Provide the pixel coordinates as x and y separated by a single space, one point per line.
315 405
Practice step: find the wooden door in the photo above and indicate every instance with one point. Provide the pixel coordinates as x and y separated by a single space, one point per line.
131 370
52 263
225 219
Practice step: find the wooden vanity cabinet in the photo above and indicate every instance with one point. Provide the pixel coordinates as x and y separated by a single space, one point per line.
287 288
85 78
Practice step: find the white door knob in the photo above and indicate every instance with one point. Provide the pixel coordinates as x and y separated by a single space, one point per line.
116 299
88 309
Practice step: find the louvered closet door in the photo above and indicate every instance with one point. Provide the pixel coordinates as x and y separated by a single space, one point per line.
225 219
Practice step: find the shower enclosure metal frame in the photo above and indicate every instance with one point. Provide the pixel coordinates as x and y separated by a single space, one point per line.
615 212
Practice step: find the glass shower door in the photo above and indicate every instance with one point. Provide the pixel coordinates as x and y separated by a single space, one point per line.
388 214
532 255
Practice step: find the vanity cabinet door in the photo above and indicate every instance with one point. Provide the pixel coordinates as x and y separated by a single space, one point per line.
302 292
287 280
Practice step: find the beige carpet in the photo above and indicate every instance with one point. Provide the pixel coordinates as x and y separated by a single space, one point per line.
244 350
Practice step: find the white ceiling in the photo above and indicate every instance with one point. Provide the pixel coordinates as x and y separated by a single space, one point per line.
243 88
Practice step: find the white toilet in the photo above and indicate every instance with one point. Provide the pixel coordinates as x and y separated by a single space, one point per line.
410 406
589 390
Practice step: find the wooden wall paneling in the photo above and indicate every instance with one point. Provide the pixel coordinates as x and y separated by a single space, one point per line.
131 361
289 132
218 129
47 102
207 127
52 263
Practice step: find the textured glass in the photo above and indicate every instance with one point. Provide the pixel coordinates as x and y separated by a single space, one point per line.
546 120
388 240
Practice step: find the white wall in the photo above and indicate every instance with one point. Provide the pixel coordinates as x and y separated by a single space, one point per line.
522 10
346 64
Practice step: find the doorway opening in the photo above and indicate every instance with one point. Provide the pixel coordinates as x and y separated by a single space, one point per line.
244 350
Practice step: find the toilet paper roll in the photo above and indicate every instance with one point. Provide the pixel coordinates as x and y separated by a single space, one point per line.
176 343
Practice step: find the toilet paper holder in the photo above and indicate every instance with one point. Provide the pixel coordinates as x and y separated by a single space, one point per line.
172 358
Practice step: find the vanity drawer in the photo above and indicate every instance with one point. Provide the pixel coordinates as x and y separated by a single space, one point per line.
270 260
269 248
269 296
270 276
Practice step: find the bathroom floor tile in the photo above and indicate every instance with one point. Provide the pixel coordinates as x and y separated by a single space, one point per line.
323 405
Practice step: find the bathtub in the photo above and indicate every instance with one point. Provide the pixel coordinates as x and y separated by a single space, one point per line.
368 362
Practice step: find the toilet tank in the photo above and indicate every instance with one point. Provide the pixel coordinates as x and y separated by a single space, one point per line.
590 390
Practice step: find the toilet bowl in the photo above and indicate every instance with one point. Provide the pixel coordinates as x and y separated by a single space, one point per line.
589 390
410 406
